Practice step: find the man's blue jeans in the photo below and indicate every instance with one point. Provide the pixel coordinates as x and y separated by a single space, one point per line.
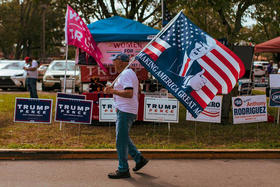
31 84
123 142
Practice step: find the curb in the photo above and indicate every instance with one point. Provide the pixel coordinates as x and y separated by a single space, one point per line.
57 154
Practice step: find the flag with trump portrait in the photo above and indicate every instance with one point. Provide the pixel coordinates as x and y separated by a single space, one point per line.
192 65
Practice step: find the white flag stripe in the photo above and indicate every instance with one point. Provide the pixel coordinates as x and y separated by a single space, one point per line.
211 87
203 96
162 43
223 67
229 58
214 74
184 63
154 50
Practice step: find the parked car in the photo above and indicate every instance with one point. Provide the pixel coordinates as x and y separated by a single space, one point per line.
12 74
42 70
263 63
55 73
259 70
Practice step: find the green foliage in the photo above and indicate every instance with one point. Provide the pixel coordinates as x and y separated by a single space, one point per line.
21 21
21 27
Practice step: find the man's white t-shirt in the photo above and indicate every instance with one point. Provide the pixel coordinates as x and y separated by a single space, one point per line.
32 74
126 80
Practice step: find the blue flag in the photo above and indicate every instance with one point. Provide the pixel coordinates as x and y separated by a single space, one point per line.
192 65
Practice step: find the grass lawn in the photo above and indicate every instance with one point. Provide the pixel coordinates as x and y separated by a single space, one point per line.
184 135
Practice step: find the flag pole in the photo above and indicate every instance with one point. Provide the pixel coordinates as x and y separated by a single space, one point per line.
64 84
66 58
158 35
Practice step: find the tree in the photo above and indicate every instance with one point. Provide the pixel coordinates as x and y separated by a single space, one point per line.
140 10
8 27
220 18
267 15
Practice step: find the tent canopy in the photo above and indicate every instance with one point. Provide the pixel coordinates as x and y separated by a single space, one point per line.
120 29
272 45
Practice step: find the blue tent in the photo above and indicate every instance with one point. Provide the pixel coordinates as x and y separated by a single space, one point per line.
120 29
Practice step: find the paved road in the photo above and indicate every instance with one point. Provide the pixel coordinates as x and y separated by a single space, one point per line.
158 173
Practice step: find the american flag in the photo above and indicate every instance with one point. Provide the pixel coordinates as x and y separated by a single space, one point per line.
182 50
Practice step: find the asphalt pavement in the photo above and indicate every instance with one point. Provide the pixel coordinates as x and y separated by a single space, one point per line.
158 173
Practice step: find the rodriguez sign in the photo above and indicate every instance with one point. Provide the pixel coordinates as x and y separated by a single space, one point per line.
248 109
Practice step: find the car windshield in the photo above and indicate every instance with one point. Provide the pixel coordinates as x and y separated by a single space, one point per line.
43 67
58 66
2 65
14 66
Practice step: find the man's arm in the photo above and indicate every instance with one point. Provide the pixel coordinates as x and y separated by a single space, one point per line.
30 68
126 93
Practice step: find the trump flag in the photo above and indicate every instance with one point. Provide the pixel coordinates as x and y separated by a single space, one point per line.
78 34
192 65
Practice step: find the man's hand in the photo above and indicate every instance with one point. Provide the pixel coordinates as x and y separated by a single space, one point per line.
197 81
108 90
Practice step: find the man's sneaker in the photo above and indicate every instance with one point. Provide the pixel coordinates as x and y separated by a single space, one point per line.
119 175
141 164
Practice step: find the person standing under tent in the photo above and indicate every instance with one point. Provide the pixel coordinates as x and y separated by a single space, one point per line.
31 77
125 93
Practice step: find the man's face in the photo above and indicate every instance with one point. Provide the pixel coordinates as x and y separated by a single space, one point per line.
198 51
119 65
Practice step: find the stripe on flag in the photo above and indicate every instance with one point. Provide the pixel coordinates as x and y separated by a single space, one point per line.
156 48
223 67
151 54
219 71
186 65
198 99
226 63
211 87
230 58
213 72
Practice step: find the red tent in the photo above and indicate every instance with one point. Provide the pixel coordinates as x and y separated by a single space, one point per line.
272 45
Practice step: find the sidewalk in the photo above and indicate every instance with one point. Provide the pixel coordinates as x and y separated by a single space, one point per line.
157 173
39 154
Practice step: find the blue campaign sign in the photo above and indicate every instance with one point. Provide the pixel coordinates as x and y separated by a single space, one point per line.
73 110
71 96
33 110
274 99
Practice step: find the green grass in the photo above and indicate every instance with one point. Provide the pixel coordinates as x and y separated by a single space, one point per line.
184 135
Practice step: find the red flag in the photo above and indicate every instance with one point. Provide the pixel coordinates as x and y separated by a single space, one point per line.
78 34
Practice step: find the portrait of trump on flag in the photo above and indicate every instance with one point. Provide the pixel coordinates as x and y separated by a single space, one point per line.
192 65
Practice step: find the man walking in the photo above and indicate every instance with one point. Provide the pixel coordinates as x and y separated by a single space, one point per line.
31 78
125 92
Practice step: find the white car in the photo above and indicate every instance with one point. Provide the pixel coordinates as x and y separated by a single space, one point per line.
263 63
12 74
259 70
55 74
